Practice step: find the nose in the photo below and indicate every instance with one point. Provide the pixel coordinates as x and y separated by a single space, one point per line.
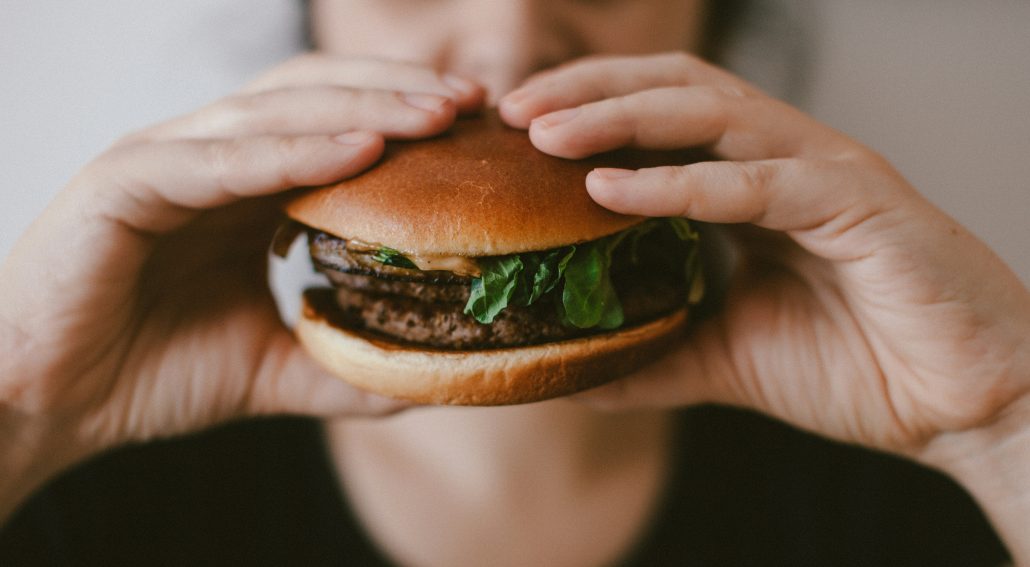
501 42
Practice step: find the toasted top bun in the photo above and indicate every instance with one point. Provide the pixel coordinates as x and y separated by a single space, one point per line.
481 189
481 377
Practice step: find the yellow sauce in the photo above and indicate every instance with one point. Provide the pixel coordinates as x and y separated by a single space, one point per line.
459 265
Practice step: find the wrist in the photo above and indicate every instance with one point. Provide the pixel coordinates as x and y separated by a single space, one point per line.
993 464
31 453
34 446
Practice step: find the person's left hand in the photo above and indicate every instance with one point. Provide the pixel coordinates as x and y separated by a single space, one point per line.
137 305
860 311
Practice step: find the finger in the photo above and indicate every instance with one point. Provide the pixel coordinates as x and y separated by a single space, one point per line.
156 187
312 110
834 208
103 227
321 69
289 382
697 372
598 78
731 123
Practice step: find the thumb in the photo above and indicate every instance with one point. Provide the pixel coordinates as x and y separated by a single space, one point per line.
290 382
103 227
700 370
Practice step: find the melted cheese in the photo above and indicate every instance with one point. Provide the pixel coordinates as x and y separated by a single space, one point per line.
460 265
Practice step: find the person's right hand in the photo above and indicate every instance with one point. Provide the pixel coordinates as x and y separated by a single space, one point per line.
137 305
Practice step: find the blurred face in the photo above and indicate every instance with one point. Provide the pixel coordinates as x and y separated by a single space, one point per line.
501 42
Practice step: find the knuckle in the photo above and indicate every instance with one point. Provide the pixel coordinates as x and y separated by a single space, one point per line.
222 159
713 111
619 110
681 60
98 171
731 93
757 176
287 149
625 118
708 97
757 180
683 178
860 155
228 113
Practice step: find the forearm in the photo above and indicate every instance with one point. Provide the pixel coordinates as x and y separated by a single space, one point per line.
34 446
25 461
994 466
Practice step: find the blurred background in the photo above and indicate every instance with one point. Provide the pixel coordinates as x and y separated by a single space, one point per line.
941 87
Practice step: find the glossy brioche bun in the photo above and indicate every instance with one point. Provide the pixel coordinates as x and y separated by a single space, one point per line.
481 189
481 377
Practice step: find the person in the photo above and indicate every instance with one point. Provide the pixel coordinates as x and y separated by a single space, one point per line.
135 307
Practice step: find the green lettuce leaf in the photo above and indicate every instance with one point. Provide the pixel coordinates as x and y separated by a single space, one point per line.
581 274
519 279
391 257
549 272
589 300
493 290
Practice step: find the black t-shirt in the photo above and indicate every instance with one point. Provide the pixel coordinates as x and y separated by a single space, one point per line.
746 491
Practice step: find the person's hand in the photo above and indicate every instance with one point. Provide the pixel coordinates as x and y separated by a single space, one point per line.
859 311
137 305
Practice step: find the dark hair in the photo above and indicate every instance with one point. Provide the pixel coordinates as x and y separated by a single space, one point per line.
721 19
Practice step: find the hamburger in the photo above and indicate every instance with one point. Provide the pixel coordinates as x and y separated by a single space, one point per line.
473 269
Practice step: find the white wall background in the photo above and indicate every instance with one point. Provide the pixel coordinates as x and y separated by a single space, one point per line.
942 87
77 74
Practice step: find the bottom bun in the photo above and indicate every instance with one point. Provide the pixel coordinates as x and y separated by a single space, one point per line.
479 377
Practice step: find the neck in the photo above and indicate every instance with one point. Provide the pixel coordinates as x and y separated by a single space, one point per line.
513 476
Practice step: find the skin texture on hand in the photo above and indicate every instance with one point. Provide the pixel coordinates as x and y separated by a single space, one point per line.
137 305
860 311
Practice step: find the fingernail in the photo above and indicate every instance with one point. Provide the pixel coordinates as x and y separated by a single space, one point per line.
612 173
515 97
459 84
356 138
556 118
432 103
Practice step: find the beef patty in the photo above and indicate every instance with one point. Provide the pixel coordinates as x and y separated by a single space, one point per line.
427 308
